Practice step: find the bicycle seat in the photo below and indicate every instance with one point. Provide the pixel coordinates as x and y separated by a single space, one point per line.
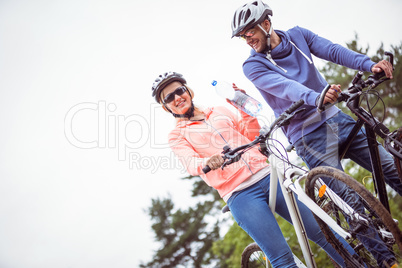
289 148
225 209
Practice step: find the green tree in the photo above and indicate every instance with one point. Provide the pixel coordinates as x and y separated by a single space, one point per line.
186 236
229 249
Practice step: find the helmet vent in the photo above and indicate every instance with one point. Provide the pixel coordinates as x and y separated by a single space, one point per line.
249 15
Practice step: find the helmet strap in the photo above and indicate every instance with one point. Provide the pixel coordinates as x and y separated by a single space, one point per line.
268 35
268 49
188 114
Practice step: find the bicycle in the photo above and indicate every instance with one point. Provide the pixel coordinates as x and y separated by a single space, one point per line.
392 140
290 177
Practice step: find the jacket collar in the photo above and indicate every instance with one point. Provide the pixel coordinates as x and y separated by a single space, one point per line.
282 50
184 123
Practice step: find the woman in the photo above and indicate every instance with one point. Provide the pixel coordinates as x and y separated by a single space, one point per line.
198 139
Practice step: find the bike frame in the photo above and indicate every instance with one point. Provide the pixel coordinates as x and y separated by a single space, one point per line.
289 182
372 126
292 207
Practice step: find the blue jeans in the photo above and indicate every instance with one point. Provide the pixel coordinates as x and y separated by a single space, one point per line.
250 209
321 148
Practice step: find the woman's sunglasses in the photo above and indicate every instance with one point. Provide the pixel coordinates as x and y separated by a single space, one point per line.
171 96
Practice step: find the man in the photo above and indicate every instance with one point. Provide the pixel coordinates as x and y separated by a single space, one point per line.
281 67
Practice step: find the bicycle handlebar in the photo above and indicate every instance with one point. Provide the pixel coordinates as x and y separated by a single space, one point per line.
320 106
294 107
358 84
206 169
234 155
391 60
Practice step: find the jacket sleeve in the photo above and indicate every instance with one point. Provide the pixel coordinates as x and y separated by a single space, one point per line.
186 154
272 82
325 49
247 125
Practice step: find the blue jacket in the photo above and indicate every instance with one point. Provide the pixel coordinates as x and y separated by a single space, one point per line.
297 77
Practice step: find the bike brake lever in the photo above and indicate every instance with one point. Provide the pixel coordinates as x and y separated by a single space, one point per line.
231 159
374 85
299 111
286 121
225 164
343 97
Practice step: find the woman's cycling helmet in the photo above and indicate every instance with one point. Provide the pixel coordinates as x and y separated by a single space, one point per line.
163 80
249 15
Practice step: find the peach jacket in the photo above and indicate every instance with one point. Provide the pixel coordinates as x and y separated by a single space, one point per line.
193 142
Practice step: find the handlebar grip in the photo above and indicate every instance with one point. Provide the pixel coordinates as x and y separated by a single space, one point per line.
320 106
391 57
391 60
294 106
206 169
378 76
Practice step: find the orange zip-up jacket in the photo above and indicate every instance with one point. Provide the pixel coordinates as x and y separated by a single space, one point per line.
194 142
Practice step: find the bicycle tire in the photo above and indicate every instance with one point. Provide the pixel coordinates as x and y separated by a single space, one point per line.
398 161
375 213
253 257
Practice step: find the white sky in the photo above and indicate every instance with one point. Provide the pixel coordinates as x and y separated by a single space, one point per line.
73 194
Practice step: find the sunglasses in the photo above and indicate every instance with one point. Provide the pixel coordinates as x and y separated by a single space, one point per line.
249 33
171 96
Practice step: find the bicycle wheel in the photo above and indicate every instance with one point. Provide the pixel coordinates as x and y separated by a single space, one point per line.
398 161
253 256
377 218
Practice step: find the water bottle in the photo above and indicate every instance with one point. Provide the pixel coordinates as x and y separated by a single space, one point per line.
242 101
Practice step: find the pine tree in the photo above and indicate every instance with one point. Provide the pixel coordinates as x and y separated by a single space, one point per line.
186 236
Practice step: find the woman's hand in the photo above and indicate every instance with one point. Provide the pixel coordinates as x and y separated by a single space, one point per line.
332 94
215 161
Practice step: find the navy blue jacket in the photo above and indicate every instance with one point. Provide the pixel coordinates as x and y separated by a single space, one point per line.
298 78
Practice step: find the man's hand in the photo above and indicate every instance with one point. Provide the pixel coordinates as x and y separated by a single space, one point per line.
332 94
385 66
238 89
235 89
215 161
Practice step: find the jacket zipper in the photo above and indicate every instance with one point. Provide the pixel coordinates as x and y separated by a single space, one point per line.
228 144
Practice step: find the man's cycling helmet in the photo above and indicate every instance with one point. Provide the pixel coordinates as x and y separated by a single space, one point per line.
163 80
249 15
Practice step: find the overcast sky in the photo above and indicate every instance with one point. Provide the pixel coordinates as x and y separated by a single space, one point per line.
83 145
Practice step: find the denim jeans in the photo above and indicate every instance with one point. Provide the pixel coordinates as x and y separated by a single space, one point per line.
321 148
250 209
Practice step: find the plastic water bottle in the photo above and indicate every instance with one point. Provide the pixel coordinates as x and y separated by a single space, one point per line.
242 101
